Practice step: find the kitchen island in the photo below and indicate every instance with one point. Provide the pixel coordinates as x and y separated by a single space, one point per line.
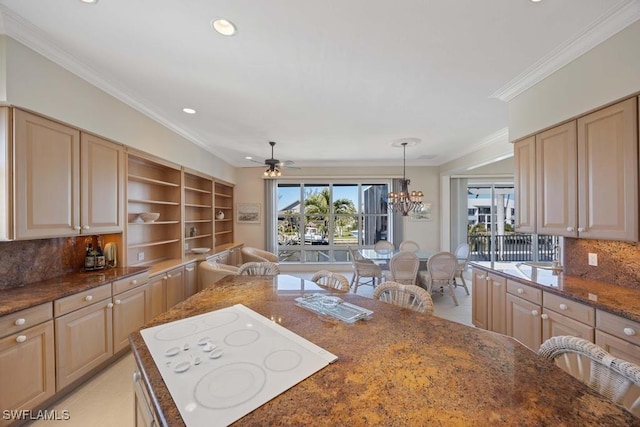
399 367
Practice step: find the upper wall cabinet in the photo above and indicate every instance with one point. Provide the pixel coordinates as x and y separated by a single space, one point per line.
525 185
66 182
586 175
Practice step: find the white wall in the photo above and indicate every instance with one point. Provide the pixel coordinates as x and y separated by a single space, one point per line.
36 83
606 73
250 188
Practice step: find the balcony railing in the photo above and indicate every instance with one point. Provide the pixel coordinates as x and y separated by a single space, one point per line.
512 247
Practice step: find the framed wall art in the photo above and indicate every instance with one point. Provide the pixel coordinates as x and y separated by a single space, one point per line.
248 213
423 214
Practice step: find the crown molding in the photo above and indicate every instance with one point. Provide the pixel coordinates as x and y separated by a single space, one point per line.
614 20
29 35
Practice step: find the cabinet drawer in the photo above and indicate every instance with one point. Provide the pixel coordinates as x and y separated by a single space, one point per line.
81 299
618 348
566 307
617 326
23 319
526 292
130 282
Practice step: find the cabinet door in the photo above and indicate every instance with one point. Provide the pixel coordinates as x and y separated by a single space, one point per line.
524 153
84 340
102 180
554 324
157 294
618 348
523 322
556 175
190 279
608 173
175 287
47 178
480 299
27 368
130 312
497 288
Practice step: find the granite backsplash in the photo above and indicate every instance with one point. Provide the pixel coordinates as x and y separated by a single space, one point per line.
28 261
618 262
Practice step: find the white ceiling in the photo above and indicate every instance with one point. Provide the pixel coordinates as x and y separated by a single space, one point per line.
331 81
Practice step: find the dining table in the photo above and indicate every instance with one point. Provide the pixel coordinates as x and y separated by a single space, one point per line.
381 255
396 367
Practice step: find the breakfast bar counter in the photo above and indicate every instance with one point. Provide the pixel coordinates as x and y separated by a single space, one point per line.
398 367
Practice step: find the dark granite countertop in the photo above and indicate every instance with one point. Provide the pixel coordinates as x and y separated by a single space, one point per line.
398 368
16 299
619 300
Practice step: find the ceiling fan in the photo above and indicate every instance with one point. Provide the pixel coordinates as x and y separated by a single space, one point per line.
274 165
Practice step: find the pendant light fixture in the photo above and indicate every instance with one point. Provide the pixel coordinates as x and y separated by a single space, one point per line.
404 202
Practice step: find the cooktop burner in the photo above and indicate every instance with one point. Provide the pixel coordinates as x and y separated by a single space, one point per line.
221 365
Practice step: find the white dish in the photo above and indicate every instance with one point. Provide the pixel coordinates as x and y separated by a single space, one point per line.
172 351
200 250
182 366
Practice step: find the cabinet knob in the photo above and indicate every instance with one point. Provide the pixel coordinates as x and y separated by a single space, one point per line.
19 322
88 298
581 229
629 331
189 268
110 305
118 302
520 291
21 338
482 277
137 376
544 316
76 227
570 228
85 227
134 282
563 306
168 276
534 312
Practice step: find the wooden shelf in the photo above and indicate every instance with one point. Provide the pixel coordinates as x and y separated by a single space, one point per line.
196 221
197 190
155 223
223 232
149 244
154 202
201 236
192 205
152 181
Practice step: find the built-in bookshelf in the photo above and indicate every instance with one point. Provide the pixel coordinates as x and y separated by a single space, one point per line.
223 201
198 211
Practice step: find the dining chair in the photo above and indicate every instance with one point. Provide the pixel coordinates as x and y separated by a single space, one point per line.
441 269
614 378
384 246
210 272
403 268
462 254
328 279
259 269
363 268
250 254
406 296
409 246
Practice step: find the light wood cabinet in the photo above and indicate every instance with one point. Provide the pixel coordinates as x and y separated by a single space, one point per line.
198 211
525 185
235 255
618 336
556 175
190 279
153 186
488 301
608 173
174 287
67 182
158 295
27 366
223 202
555 324
166 290
131 310
84 340
523 321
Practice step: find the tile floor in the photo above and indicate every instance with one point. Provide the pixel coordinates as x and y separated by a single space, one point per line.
107 399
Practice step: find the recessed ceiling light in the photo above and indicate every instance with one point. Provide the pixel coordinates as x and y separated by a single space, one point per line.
189 110
224 27
249 158
535 1
89 1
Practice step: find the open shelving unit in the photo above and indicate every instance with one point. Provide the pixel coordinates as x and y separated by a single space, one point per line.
153 186
198 211
223 199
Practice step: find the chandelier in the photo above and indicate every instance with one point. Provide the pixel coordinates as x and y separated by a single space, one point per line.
272 171
404 202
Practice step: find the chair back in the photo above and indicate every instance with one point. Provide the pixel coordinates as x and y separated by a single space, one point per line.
210 272
614 378
328 279
462 251
409 246
441 267
404 267
250 254
259 269
383 247
406 296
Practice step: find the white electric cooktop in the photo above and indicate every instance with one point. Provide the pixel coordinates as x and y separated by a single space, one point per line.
221 365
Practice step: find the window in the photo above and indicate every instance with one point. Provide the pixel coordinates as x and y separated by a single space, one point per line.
317 221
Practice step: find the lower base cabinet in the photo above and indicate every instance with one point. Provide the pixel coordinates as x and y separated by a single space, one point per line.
27 369
523 322
131 310
84 341
190 279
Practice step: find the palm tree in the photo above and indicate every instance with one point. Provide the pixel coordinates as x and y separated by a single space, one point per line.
317 204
